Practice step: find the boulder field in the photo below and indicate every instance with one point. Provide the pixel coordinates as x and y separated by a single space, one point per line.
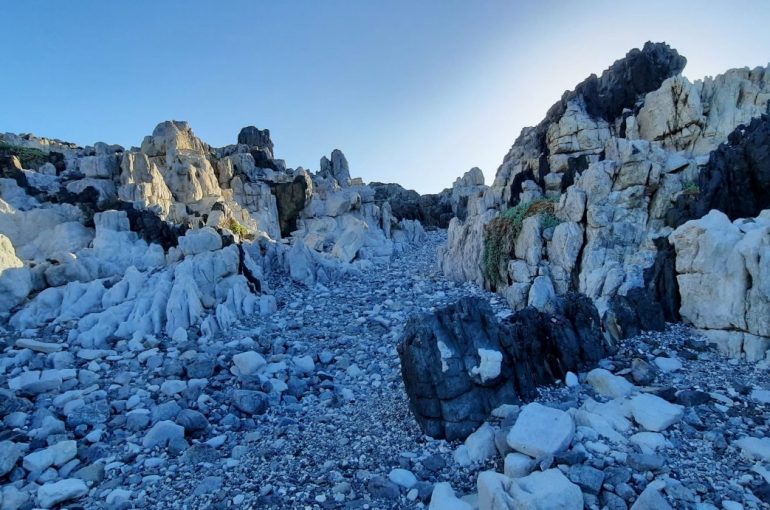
186 326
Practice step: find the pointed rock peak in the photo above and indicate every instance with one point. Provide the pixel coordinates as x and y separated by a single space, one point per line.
337 168
473 177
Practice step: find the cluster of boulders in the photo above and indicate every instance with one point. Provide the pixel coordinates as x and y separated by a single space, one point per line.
175 234
620 436
613 169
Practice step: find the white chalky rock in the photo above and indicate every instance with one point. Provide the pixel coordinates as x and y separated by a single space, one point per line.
541 431
247 363
52 494
443 498
649 442
304 364
541 490
607 384
517 465
653 413
56 455
403 478
667 365
489 365
479 446
755 448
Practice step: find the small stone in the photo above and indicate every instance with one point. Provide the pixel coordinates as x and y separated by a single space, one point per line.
250 402
571 380
517 465
38 346
191 420
247 363
117 497
51 494
587 478
690 398
10 453
403 478
642 372
173 387
605 383
381 487
304 364
646 461
162 433
668 365
651 499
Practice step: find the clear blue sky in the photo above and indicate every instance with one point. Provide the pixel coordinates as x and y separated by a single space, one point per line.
414 92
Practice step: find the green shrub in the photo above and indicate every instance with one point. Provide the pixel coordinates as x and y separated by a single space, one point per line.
691 188
501 233
29 157
236 228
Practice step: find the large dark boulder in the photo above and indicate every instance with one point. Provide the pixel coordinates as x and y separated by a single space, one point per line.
460 362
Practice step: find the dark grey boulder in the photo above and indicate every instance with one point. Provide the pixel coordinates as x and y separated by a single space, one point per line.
448 359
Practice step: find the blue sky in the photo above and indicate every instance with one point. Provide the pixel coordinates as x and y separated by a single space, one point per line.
415 92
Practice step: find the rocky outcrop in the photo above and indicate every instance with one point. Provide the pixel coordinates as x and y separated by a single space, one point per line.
174 235
583 202
723 270
460 363
432 210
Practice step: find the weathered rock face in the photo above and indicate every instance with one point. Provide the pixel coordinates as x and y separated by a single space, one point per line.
583 201
460 362
724 280
173 236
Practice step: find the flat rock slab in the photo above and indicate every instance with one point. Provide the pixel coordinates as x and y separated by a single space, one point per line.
541 431
653 413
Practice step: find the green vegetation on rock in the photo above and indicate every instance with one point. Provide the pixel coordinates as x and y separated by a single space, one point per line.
30 158
236 228
691 188
501 233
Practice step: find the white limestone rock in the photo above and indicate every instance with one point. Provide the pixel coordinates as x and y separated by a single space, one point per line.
51 494
653 413
541 431
443 498
607 384
541 490
15 278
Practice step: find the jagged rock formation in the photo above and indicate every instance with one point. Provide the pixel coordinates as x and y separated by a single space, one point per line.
582 202
174 235
460 362
432 210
